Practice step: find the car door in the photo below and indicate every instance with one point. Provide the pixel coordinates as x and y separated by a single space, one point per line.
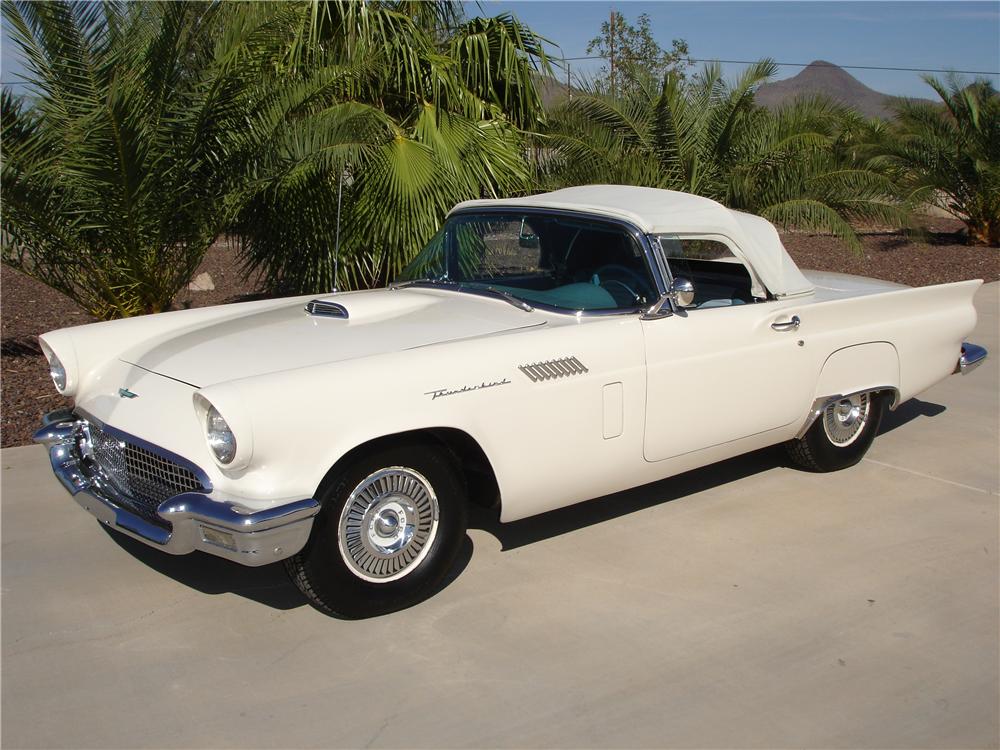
729 368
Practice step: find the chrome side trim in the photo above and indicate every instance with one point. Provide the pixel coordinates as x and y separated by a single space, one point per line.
820 404
972 356
553 368
322 308
207 521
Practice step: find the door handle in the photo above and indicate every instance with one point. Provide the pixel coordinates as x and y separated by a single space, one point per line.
791 325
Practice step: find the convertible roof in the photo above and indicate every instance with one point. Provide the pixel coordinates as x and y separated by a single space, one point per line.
657 211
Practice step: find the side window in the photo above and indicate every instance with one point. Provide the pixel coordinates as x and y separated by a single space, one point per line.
720 279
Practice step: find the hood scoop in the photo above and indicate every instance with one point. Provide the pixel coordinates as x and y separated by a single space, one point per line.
322 308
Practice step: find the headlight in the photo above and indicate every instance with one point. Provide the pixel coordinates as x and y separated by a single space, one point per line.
57 371
64 369
220 438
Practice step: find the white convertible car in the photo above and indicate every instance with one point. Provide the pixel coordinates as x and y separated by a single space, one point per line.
539 352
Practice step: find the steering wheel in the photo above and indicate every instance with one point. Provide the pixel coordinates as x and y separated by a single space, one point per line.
625 271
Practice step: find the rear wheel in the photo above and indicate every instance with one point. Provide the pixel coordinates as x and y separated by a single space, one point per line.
390 526
841 435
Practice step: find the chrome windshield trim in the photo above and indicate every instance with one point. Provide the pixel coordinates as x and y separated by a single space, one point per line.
454 286
638 235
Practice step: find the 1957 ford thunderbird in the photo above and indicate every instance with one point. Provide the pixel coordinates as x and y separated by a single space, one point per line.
539 351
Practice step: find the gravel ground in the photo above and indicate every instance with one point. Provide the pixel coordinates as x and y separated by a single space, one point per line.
30 308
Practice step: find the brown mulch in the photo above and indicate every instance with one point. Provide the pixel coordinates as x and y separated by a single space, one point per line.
30 308
937 257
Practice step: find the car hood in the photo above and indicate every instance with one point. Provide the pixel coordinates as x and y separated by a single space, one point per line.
287 337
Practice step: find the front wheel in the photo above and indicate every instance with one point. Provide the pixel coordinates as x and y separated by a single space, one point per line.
388 532
841 435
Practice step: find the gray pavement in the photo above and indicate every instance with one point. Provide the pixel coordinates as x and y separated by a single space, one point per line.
742 605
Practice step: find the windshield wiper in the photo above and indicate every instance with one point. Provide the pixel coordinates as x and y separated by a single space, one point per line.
506 296
424 282
485 291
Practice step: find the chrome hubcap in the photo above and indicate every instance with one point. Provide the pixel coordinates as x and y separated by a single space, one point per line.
844 420
388 524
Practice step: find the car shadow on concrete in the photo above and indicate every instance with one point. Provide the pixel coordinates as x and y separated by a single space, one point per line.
565 520
574 517
269 584
907 412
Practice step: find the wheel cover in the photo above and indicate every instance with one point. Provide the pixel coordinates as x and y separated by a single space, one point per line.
845 420
388 524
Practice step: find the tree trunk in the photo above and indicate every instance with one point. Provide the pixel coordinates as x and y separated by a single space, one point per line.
983 232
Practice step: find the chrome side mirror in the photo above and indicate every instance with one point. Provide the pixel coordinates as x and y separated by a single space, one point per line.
682 292
679 296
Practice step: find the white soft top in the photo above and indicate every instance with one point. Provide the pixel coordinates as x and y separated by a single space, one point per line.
655 211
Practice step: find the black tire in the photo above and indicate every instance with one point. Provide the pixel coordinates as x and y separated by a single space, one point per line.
818 450
323 569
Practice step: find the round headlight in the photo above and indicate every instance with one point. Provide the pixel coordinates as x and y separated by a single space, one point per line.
57 371
220 438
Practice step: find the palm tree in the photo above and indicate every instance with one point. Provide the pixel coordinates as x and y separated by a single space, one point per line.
454 96
950 155
155 127
144 121
709 138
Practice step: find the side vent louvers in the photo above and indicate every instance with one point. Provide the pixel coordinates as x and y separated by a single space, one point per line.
555 368
325 309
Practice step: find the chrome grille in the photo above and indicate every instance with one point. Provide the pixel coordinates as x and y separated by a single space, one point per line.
143 478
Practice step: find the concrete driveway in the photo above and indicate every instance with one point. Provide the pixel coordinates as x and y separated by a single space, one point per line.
743 605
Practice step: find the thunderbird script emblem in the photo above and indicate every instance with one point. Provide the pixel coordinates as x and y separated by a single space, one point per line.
126 393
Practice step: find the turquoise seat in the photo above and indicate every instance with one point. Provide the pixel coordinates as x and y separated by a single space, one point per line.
578 296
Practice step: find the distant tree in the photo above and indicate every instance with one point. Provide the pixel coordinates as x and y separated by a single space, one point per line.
709 138
949 155
634 56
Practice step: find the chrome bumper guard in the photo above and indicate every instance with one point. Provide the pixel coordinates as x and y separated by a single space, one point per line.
972 356
192 520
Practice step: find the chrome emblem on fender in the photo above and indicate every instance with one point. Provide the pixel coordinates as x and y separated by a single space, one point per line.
126 393
439 392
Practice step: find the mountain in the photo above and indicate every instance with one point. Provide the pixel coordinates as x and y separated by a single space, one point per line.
553 91
830 80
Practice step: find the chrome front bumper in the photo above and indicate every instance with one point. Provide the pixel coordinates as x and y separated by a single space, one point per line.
972 356
191 520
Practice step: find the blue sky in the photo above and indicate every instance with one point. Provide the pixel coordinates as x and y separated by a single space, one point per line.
948 35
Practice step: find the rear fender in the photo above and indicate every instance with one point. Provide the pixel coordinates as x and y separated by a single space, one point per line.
859 368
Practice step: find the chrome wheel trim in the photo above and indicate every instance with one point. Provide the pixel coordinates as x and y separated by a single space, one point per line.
844 420
388 524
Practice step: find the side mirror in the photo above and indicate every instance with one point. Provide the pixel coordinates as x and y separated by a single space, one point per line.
682 292
679 296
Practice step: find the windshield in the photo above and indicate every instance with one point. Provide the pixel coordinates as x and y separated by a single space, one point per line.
559 261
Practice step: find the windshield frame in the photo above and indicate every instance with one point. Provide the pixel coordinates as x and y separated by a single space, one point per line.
644 241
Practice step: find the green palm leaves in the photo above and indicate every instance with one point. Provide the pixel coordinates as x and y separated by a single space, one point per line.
708 137
950 155
450 105
156 127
